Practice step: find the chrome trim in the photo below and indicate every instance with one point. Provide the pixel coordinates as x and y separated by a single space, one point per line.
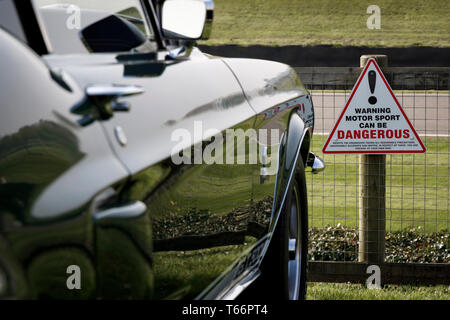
105 99
130 210
239 287
294 250
292 247
316 163
113 90
120 136
180 52
222 287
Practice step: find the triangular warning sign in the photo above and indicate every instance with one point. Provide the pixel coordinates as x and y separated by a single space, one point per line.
373 122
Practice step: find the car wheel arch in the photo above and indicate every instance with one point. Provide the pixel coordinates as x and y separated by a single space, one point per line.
299 136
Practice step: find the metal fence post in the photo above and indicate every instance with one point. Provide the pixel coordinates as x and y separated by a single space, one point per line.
372 197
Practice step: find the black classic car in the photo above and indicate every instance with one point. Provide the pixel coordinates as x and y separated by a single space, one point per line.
134 166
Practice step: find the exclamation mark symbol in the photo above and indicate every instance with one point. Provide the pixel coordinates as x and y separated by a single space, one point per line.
372 84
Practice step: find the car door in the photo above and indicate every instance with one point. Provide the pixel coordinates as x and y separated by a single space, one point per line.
199 207
194 203
198 210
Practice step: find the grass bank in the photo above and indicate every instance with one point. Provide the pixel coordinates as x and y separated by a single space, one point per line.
339 23
344 291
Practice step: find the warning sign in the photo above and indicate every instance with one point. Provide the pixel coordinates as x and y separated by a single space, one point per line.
373 122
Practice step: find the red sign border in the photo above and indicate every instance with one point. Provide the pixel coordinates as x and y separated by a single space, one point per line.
372 60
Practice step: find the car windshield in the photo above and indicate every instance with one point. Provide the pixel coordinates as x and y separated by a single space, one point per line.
83 26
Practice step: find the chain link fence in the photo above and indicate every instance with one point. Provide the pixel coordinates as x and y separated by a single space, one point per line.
417 185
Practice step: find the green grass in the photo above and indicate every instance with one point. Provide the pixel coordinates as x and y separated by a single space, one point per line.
338 23
193 277
343 291
189 272
417 189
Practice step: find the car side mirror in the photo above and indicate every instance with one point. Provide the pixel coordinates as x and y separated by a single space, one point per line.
183 19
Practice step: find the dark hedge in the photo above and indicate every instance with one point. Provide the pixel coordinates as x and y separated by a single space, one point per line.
341 244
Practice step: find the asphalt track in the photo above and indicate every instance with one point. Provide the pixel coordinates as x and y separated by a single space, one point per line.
429 113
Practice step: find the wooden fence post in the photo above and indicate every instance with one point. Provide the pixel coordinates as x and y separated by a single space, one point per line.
372 197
